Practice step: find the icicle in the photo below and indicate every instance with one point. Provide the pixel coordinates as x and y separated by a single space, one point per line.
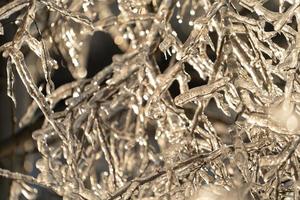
1 29
10 81
40 50
106 152
166 44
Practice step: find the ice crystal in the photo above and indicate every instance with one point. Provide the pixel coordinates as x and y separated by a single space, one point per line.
149 143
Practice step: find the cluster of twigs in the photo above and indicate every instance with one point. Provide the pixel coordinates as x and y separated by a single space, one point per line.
122 135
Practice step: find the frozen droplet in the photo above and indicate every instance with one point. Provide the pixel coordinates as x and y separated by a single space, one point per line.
169 52
141 141
192 12
292 123
146 97
165 54
142 33
75 94
135 10
131 36
135 109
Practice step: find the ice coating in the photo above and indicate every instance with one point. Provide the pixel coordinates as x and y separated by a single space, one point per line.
224 105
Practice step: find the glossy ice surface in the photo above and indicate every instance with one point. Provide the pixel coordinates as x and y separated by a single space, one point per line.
125 133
